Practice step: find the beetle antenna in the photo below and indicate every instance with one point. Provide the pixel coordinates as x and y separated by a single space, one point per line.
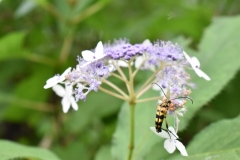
184 97
161 88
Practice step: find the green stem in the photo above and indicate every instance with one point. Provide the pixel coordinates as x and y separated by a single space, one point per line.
115 87
46 141
89 12
149 79
131 83
66 48
51 9
119 77
148 99
41 59
25 103
132 103
136 71
144 90
113 94
131 138
123 76
120 71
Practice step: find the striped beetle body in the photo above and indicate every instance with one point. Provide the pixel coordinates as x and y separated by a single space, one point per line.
161 114
162 110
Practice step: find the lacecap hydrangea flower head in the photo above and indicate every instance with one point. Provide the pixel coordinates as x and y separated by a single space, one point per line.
167 61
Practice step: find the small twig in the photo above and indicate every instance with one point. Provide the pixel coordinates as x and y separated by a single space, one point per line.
46 141
113 94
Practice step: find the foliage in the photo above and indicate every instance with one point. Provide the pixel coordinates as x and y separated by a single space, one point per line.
40 38
10 150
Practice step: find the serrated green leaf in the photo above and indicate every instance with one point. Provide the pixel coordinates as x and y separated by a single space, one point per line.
217 155
219 140
228 97
221 135
11 150
218 50
11 46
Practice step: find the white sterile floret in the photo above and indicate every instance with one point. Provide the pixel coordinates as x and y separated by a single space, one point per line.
119 63
67 98
90 56
141 60
171 143
56 79
122 63
194 62
147 42
138 62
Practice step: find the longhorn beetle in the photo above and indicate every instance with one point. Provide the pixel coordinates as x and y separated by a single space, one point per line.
162 111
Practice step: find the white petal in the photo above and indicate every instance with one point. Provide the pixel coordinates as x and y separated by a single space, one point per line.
99 50
181 148
74 104
156 88
122 63
147 42
51 82
56 79
138 61
78 67
68 89
187 57
172 133
111 67
88 55
63 76
152 68
195 62
180 114
200 73
169 145
195 65
162 134
59 90
65 104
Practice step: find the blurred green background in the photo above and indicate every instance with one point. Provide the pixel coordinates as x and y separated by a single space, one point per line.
40 38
